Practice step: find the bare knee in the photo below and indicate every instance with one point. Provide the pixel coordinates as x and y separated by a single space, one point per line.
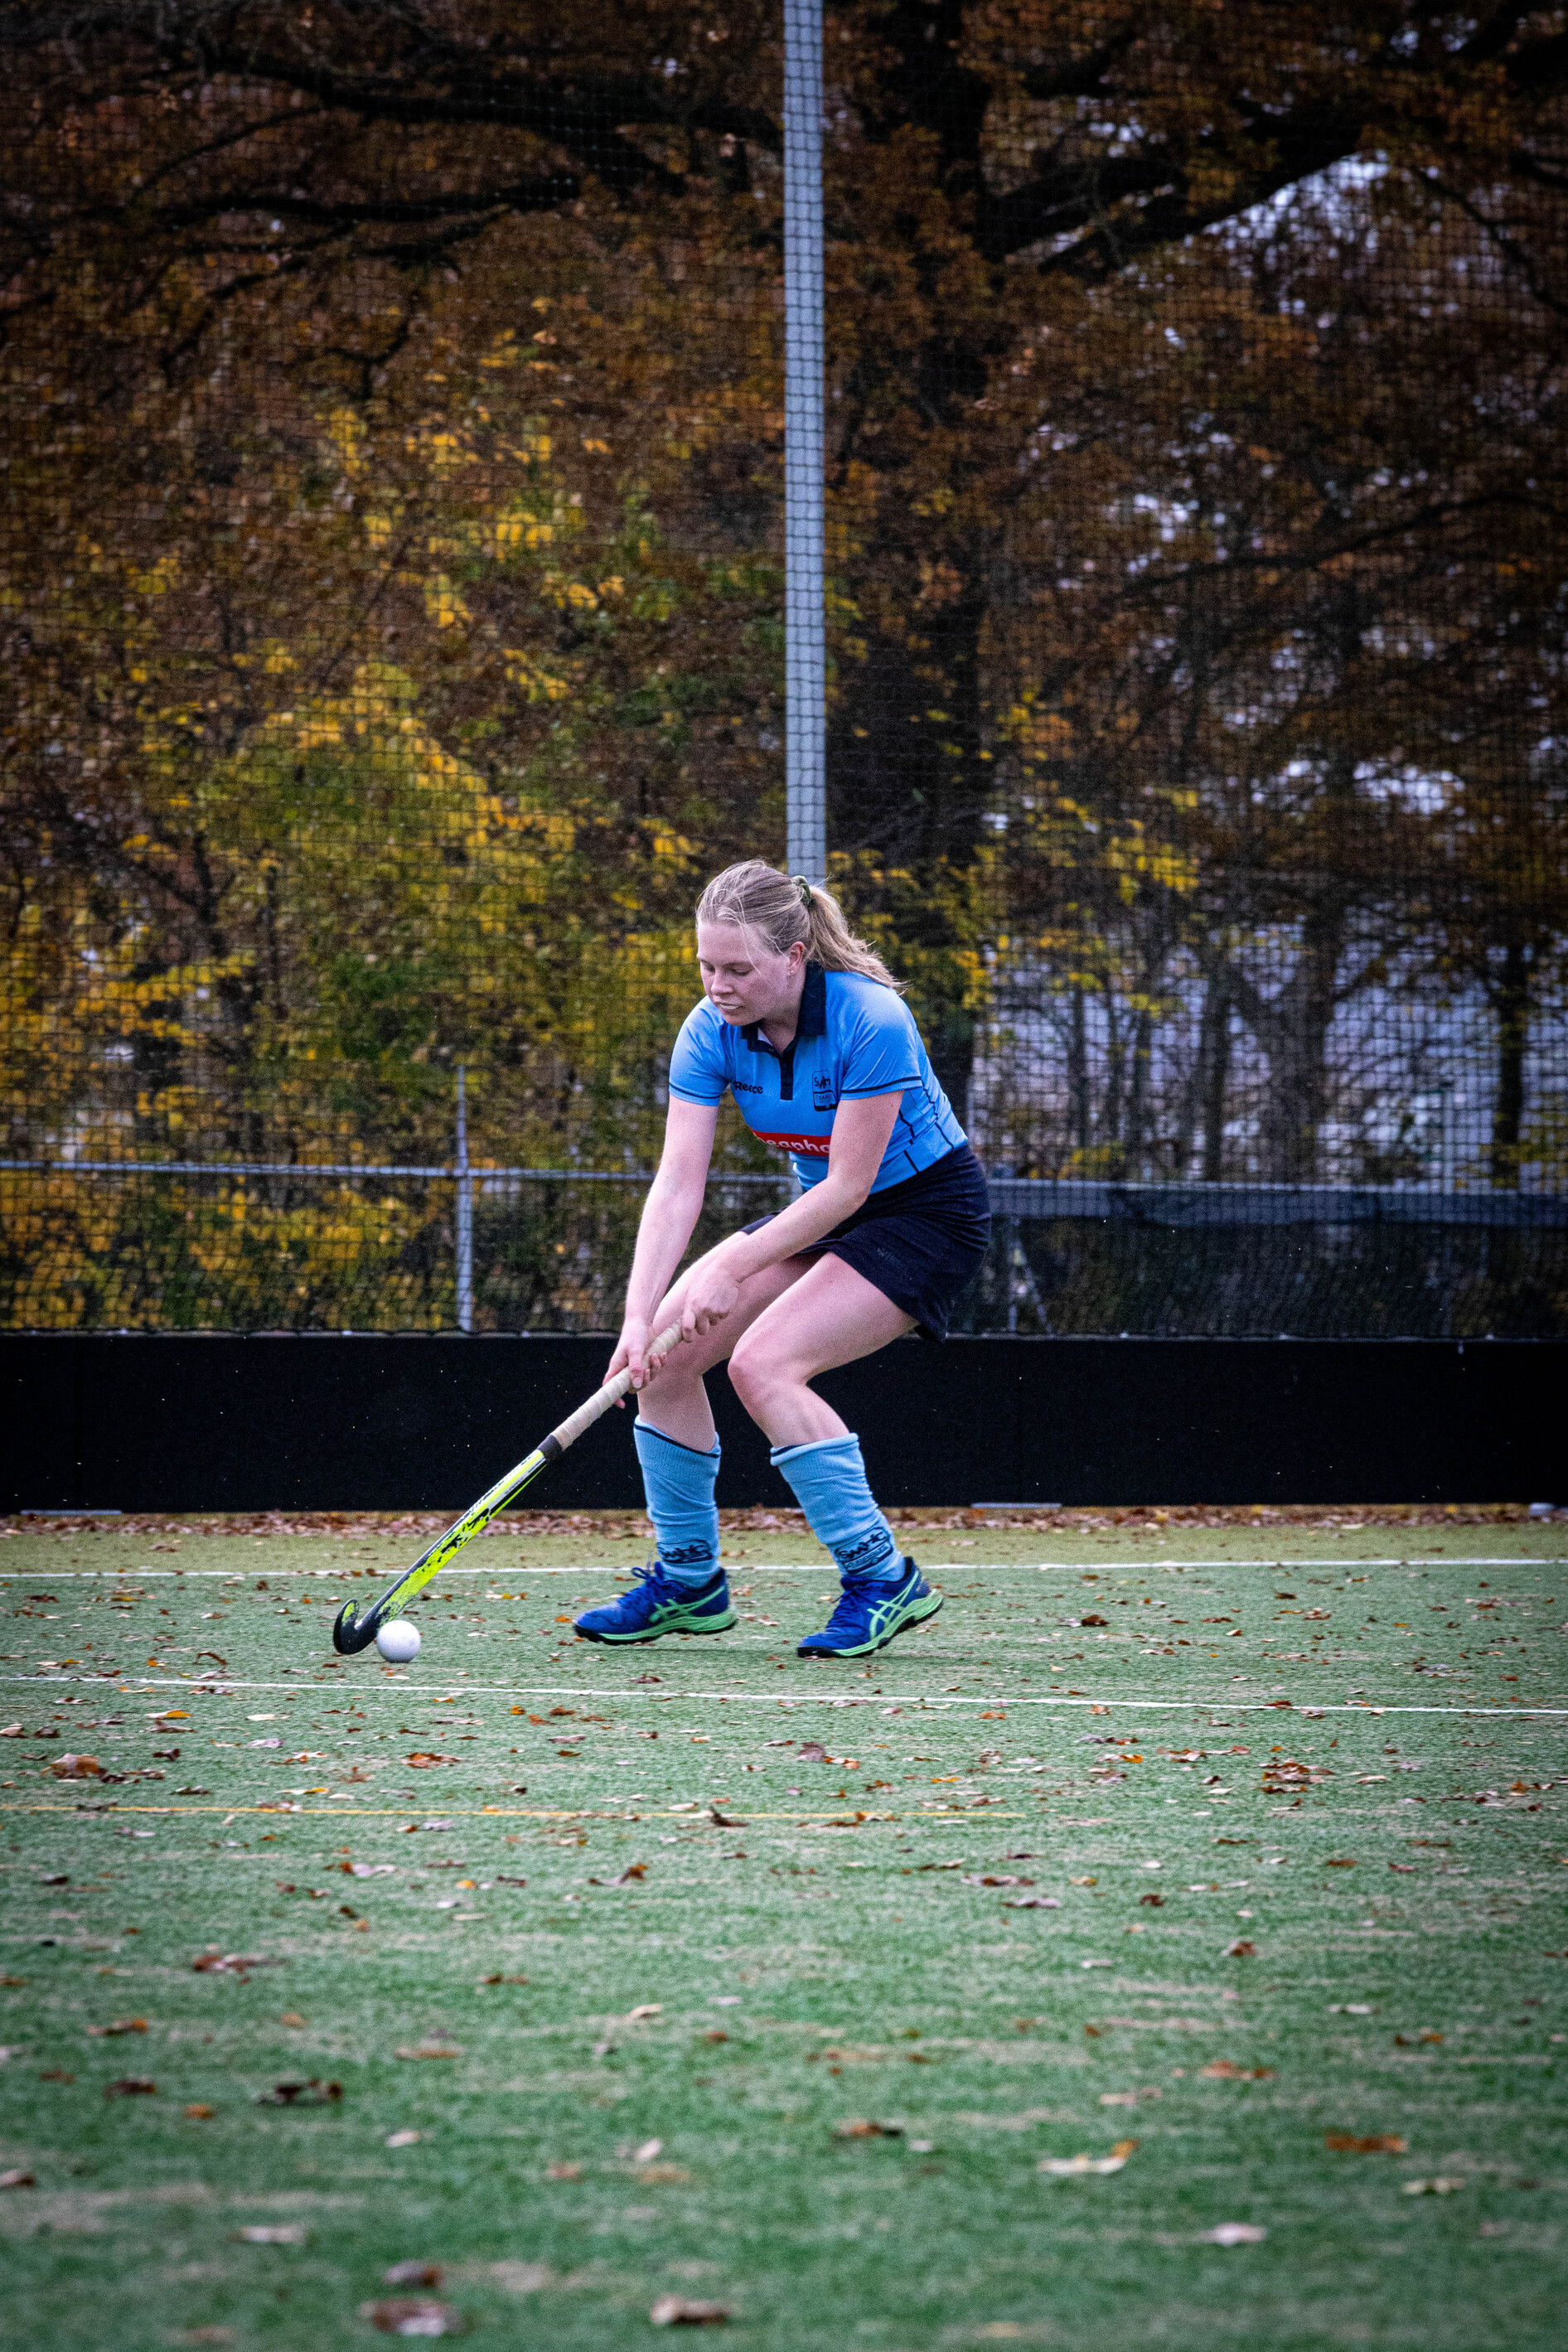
758 1370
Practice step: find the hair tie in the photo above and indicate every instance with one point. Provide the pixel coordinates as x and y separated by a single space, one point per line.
804 886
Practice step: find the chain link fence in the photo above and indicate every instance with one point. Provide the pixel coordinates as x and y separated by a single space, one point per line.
433 544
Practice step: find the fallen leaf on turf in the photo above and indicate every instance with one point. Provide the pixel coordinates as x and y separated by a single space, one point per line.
723 1820
1242 1949
1410 2041
563 2172
198 2112
402 2139
648 2151
310 2094
129 2086
993 1878
292 2017
1440 2187
1236 2233
429 2050
1367 2143
680 2311
71 1767
1033 1903
411 2316
55 1878
413 2273
634 1869
12 1731
1126 2098
17 2179
668 2173
121 2025
1060 2166
646 2008
216 1961
1083 1882
861 2128
1405 1869
715 2033
1226 2069
367 1869
274 2234
1339 1862
813 1752
422 1758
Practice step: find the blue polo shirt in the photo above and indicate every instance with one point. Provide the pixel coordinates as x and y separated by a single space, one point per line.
853 1037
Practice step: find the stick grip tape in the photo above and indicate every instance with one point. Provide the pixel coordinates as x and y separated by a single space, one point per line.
571 1428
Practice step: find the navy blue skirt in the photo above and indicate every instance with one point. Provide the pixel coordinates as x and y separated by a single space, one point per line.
921 1242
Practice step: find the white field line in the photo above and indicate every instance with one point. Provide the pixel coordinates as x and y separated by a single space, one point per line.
815 1567
226 1685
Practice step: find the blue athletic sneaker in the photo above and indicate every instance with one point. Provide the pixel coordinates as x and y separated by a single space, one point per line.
659 1606
871 1612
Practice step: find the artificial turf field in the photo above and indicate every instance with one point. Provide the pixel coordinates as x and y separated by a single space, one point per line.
1274 1855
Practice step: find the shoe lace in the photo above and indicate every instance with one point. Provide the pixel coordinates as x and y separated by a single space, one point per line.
856 1595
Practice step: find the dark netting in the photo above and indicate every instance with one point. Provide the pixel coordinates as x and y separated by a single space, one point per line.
402 619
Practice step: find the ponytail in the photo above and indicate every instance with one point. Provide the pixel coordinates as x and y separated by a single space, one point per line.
783 908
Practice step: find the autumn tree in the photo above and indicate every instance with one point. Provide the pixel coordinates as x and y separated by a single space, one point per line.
393 576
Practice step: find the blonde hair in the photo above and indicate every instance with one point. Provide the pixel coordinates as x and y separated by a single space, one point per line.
782 909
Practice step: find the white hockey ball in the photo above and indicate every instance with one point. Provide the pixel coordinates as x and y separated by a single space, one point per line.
399 1641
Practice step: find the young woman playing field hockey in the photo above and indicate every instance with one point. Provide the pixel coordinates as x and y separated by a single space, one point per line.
804 1024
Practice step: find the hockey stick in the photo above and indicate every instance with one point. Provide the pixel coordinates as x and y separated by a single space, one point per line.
354 1632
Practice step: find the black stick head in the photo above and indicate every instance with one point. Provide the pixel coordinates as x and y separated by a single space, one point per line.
351 1632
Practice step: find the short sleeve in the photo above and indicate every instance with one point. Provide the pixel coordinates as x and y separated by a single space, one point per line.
697 1064
881 1054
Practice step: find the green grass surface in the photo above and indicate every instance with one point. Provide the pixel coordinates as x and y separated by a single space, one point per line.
827 1952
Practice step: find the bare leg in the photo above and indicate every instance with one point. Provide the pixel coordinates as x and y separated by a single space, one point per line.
828 1315
675 1400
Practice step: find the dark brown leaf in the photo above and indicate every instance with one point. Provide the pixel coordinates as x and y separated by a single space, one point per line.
310 2094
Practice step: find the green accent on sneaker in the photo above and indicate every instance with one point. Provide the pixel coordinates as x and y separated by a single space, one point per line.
655 1608
869 1615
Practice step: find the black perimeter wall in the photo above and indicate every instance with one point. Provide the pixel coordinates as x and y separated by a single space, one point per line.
99 1420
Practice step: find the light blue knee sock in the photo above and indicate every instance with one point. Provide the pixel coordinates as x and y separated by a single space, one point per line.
829 1482
678 1482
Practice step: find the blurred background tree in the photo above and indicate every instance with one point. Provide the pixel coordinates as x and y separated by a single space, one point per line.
393 578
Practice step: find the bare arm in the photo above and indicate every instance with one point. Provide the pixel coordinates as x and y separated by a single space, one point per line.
670 1215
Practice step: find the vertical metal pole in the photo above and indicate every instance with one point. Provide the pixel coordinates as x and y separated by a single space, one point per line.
806 652
465 1210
